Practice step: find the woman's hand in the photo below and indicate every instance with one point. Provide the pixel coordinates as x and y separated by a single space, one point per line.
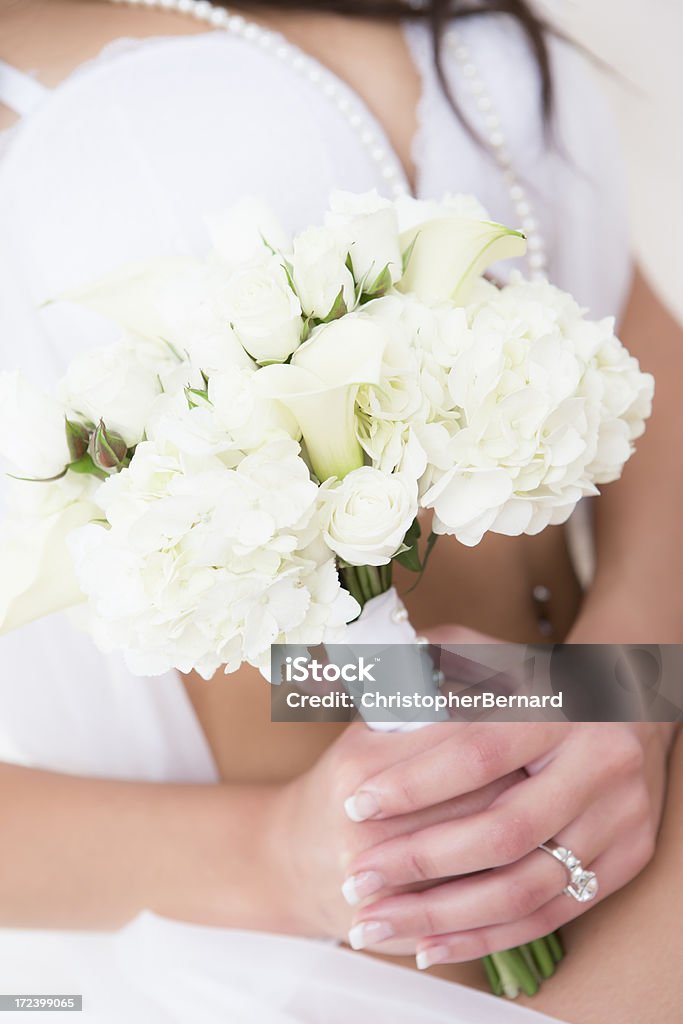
312 841
595 788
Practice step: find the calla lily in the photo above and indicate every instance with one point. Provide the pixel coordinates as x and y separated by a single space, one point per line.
38 576
319 388
445 256
175 299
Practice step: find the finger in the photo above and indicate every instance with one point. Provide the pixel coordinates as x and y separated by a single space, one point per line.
482 900
361 752
497 897
373 833
465 760
614 869
525 816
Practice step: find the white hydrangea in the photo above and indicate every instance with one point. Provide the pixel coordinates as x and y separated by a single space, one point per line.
548 403
407 420
200 566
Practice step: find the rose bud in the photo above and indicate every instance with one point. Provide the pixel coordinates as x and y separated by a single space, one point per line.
77 438
108 450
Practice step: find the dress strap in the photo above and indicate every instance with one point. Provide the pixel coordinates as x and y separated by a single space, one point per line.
20 91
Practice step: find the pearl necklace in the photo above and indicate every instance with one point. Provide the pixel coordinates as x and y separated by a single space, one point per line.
351 109
536 254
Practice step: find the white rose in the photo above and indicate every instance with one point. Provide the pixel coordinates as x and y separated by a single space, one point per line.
371 226
367 515
32 432
263 310
320 273
112 384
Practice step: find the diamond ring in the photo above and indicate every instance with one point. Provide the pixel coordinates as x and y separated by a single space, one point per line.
583 885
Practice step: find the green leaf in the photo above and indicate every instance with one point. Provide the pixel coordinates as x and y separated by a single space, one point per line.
309 324
405 258
410 559
339 308
408 554
86 465
381 284
414 533
201 394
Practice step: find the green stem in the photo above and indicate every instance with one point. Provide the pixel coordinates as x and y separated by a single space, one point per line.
514 973
524 968
543 957
528 957
493 976
350 581
365 586
374 579
555 946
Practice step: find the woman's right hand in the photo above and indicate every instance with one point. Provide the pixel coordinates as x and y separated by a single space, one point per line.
311 839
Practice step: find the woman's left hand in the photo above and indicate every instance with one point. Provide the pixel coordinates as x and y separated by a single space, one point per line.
595 788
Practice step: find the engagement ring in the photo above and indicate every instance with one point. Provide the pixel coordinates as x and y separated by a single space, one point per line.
583 885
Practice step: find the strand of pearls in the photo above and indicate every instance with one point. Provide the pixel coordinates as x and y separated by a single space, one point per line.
389 168
496 140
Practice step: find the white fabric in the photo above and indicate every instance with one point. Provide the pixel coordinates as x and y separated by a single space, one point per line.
381 627
123 161
20 91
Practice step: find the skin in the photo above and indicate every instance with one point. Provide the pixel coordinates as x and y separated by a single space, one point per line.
287 780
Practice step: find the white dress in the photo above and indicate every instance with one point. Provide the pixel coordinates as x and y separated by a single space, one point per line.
125 160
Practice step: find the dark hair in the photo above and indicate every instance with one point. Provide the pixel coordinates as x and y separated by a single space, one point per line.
437 13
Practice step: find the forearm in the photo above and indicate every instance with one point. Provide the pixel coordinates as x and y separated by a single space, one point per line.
637 594
90 853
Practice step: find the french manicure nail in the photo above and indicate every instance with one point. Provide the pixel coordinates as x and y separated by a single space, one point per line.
359 887
368 933
434 955
362 805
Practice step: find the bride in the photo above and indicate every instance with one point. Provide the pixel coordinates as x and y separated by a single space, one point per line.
169 852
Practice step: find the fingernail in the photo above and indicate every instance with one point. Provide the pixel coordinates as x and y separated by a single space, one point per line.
434 955
359 887
362 805
368 933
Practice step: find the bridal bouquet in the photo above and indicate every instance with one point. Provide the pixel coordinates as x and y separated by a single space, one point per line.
244 466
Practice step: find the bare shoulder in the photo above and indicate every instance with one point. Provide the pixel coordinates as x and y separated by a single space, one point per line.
52 37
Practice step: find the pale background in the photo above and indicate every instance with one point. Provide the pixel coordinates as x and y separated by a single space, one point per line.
641 40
